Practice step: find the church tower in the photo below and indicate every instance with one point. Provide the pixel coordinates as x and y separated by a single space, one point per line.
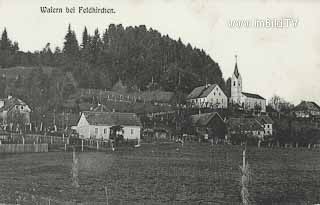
236 85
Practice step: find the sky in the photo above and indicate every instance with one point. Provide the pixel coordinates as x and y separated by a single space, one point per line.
271 60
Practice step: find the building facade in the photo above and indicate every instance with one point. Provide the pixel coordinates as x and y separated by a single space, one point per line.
98 125
208 96
307 109
248 101
13 111
210 125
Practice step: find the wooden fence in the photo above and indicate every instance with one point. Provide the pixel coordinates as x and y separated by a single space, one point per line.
19 148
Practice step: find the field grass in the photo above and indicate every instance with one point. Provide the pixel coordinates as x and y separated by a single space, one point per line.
163 174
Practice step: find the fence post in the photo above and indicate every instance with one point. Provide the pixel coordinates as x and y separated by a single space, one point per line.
82 145
22 140
65 147
97 145
51 140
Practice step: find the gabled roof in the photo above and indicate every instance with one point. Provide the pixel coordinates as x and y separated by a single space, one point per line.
251 95
245 124
112 118
201 92
264 119
307 106
101 108
119 87
9 103
203 119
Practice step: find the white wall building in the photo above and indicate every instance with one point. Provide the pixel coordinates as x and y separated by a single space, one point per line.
247 101
96 125
208 96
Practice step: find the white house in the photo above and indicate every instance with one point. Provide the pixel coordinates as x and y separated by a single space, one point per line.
247 101
266 122
96 125
208 96
14 110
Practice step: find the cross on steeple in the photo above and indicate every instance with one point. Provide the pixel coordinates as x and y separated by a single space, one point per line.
236 57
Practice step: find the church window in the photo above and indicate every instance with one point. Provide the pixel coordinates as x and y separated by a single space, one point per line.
214 93
239 84
234 83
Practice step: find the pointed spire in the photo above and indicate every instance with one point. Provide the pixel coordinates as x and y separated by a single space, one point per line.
236 72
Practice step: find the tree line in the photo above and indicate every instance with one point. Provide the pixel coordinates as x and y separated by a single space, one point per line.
142 58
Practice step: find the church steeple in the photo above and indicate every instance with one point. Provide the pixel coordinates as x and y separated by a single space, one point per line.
236 72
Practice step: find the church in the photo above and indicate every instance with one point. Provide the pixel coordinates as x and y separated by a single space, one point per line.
248 101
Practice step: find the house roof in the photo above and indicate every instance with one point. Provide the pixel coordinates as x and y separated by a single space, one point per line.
112 118
264 119
119 87
307 105
202 91
203 119
9 103
247 124
251 95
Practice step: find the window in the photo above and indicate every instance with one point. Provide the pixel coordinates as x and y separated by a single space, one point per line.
96 130
105 131
132 132
219 93
234 83
214 93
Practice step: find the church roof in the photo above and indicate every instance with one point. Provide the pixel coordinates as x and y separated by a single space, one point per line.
251 95
236 71
201 92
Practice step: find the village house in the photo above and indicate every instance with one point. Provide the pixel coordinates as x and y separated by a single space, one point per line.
98 125
307 109
248 101
208 96
14 111
209 125
266 122
245 126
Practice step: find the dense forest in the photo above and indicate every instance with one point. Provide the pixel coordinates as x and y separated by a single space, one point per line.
142 58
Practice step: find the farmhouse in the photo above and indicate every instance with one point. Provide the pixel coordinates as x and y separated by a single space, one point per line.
248 101
266 122
247 126
14 110
209 125
208 96
307 109
99 125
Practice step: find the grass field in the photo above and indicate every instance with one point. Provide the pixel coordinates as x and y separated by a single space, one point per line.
162 174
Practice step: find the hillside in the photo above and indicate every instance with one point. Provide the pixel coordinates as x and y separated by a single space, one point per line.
142 65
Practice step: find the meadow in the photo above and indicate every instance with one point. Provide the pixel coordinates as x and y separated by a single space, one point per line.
162 174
